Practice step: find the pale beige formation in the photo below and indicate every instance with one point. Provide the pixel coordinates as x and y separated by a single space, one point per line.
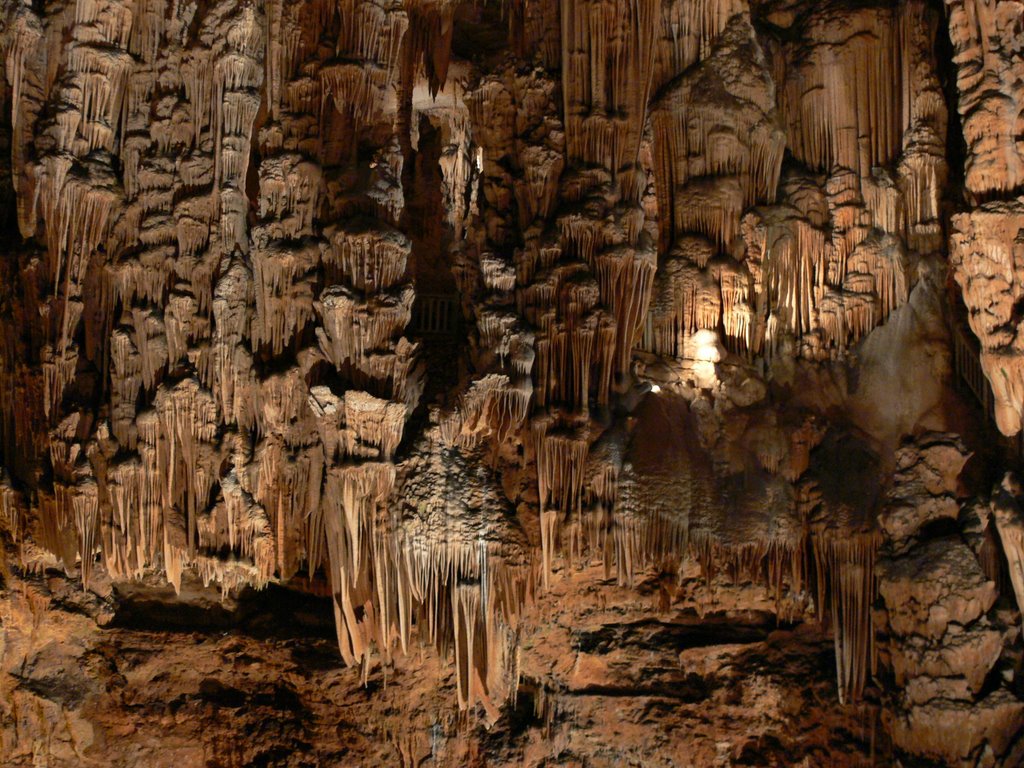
545 382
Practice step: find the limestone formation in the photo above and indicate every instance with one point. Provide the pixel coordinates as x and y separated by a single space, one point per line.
587 370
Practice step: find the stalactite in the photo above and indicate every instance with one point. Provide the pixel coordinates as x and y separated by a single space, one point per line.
237 74
687 299
354 492
842 96
27 92
986 58
354 327
371 258
289 195
984 264
537 192
561 456
131 540
626 277
292 33
884 261
283 279
356 91
786 257
287 495
497 273
493 404
668 509
715 157
86 511
431 25
845 576
737 313
607 64
12 510
221 191
125 380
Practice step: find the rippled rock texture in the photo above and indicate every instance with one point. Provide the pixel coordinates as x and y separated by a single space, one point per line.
545 382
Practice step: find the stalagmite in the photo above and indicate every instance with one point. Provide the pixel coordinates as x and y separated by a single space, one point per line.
941 640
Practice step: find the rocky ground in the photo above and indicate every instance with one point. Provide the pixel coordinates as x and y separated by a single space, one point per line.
257 681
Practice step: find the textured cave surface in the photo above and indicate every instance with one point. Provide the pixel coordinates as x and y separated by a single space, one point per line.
520 383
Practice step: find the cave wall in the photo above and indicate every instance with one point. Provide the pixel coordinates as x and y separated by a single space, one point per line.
428 307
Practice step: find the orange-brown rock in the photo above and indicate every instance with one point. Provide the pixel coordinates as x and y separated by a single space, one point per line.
544 382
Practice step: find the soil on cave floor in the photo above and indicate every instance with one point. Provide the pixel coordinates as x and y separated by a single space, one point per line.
153 680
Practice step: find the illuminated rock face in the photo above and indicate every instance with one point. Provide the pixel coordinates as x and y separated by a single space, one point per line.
578 355
986 240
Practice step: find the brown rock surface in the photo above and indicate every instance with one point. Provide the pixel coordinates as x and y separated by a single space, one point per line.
589 360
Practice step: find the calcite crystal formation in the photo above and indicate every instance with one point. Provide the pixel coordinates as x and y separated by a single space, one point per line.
476 370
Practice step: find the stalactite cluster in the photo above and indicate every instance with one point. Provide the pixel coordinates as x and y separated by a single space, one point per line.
985 242
439 311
